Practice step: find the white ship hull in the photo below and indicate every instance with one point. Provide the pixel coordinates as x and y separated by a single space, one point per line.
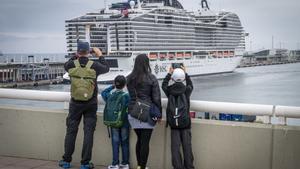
198 67
194 67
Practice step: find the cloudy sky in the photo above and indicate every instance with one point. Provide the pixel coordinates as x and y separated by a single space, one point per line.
38 26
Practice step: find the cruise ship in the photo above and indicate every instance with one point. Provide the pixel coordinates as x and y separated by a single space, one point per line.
205 41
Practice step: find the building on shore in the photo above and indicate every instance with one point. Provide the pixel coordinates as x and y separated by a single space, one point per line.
269 56
16 74
294 55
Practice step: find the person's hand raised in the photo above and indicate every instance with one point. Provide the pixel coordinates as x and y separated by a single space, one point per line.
97 52
171 70
183 68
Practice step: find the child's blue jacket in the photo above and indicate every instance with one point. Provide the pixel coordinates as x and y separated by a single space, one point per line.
106 93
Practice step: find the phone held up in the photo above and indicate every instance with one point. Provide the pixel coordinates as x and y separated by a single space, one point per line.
177 65
93 52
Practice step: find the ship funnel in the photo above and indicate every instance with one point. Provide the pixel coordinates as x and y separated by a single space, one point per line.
139 4
204 4
132 4
106 5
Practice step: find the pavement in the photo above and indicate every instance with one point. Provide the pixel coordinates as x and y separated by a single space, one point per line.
23 163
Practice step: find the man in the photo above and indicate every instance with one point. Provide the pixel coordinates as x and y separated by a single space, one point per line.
82 104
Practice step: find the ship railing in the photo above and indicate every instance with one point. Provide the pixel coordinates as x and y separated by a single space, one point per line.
265 112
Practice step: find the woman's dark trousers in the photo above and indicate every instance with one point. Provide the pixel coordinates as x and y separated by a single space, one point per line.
142 146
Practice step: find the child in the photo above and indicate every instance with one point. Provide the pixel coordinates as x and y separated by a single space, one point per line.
178 116
117 99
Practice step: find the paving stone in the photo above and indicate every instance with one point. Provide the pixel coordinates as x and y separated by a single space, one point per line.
31 163
10 160
22 163
14 167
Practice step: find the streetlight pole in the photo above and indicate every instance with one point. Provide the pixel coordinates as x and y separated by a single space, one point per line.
272 42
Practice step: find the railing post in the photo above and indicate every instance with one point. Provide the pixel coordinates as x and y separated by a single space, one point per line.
282 120
66 105
267 120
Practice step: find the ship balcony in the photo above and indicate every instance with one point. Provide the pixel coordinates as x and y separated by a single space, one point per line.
74 37
75 33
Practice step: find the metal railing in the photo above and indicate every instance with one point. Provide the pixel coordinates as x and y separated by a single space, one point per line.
268 111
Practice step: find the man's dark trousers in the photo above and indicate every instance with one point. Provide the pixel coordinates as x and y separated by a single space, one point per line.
182 137
76 110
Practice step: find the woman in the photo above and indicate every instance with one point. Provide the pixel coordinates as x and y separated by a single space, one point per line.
143 85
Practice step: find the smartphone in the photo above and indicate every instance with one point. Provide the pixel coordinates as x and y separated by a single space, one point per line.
93 52
177 65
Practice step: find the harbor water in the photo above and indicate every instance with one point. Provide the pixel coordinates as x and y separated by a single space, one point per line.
274 85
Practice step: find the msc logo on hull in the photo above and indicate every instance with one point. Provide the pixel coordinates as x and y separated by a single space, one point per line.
160 69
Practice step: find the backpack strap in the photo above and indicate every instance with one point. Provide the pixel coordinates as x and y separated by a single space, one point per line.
76 63
108 132
89 64
121 97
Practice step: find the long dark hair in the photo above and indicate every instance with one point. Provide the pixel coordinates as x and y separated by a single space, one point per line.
141 69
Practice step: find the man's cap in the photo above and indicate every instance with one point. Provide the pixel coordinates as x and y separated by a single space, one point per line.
83 46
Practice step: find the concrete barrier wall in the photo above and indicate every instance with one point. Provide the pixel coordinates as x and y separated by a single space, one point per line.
39 134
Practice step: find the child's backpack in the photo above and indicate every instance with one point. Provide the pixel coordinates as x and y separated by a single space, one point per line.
115 110
178 116
82 81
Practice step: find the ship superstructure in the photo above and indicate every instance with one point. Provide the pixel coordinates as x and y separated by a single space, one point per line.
205 41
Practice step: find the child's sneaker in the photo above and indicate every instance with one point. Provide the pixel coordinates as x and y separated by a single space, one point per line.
113 167
122 166
139 167
64 164
87 166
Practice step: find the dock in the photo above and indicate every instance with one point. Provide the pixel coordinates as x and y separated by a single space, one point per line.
30 73
270 57
266 63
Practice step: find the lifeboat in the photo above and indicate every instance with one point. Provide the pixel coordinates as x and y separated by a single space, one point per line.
220 54
226 54
153 56
162 55
179 55
171 55
213 54
188 54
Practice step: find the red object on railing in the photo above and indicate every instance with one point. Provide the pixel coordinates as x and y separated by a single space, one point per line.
193 114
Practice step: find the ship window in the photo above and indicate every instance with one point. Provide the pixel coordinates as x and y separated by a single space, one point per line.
113 63
201 57
168 19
